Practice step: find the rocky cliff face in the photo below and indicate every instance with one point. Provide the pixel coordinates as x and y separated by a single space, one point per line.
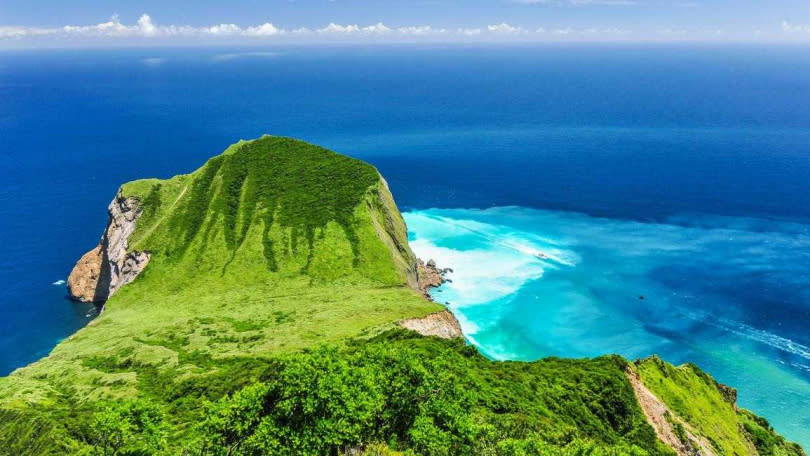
391 229
440 324
429 276
106 268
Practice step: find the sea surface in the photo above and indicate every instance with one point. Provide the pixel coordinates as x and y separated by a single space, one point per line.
591 199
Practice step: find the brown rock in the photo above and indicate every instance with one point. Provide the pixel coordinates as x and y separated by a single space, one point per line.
84 277
106 268
429 276
728 393
440 324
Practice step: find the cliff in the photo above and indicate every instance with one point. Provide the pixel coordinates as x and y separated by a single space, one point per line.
256 306
110 265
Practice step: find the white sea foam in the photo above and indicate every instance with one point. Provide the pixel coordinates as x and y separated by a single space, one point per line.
58 282
488 264
481 275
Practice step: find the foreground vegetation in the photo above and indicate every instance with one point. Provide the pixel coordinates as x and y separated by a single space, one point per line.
265 323
395 392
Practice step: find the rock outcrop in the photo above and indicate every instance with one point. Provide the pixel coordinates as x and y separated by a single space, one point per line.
110 265
729 394
440 324
429 276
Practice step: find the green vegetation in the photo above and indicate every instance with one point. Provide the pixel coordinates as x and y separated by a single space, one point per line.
706 406
299 209
397 392
431 397
265 323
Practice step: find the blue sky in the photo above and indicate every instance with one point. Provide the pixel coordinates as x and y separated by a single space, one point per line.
82 22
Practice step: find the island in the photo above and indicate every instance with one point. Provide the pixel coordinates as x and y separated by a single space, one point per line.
268 303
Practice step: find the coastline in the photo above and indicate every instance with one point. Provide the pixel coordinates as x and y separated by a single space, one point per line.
442 324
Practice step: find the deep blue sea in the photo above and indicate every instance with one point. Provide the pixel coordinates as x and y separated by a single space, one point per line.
562 184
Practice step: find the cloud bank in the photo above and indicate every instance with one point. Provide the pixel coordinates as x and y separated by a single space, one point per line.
145 29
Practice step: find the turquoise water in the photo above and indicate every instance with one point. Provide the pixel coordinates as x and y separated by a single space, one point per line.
529 283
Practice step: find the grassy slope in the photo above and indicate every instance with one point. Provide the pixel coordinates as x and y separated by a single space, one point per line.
275 247
697 399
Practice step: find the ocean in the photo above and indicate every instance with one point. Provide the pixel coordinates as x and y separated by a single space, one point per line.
590 199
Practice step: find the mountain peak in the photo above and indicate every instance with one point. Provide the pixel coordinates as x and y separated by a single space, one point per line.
267 208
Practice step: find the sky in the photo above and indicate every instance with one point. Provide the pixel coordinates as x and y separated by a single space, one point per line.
61 23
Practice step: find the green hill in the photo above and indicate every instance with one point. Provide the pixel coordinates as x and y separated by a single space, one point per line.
265 322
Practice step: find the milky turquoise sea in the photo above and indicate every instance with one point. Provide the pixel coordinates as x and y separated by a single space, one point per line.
590 199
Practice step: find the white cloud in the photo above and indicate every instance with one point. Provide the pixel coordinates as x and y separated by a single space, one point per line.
145 28
378 28
266 29
503 27
787 27
339 29
613 31
336 29
145 25
419 30
113 27
671 32
12 32
469 31
223 30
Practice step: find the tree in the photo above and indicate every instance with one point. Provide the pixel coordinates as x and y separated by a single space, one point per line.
110 431
128 427
230 421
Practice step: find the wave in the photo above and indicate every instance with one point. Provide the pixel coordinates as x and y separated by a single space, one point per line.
58 282
488 262
754 334
519 241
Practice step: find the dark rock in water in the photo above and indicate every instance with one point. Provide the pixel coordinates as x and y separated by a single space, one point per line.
641 297
429 276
